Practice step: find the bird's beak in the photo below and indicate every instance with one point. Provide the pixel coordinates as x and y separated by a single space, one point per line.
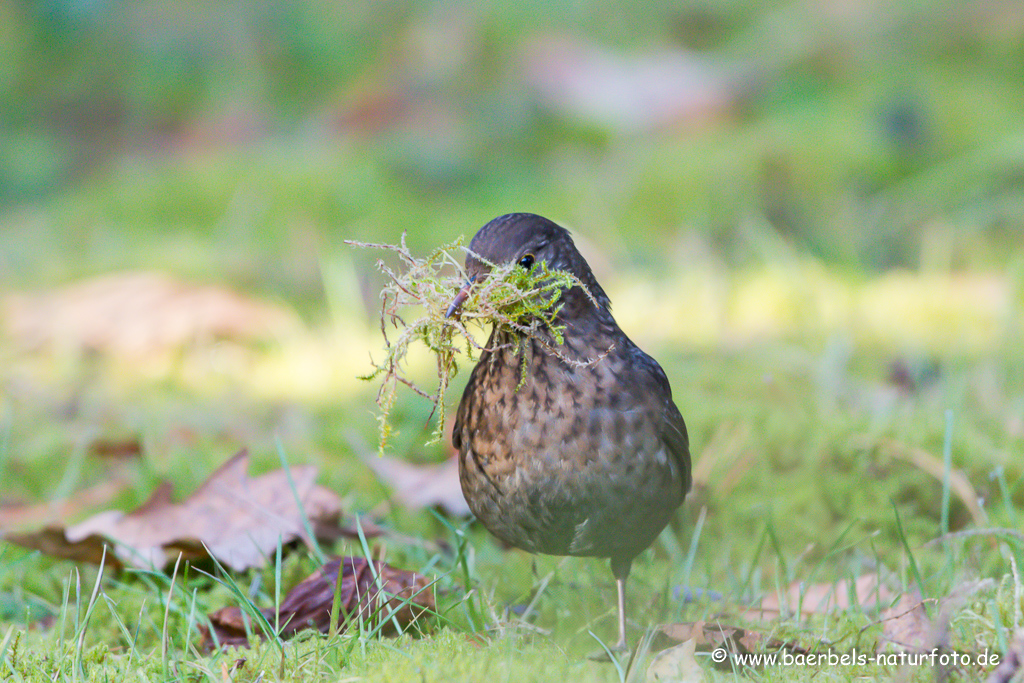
460 298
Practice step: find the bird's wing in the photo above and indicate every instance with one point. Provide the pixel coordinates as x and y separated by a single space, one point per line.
673 429
673 434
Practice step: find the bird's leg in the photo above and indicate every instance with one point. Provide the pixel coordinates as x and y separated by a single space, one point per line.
620 568
620 646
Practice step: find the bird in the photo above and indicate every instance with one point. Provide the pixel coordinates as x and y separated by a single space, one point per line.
572 448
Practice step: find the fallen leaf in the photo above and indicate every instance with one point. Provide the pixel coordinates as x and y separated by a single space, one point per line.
821 598
676 665
367 593
906 626
628 93
237 518
708 636
25 515
329 530
116 450
1012 663
227 671
52 541
421 486
138 313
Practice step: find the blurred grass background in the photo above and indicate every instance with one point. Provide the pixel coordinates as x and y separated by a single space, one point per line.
870 135
811 212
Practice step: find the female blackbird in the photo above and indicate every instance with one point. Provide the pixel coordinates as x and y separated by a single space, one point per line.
585 454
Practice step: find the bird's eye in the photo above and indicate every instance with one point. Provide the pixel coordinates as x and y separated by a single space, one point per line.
527 261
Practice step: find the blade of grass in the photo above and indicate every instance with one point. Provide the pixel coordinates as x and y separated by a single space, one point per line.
6 424
277 586
5 644
167 615
65 603
1004 491
947 466
78 599
635 668
336 604
246 605
121 626
475 615
611 657
373 570
313 542
84 624
380 623
190 622
138 627
914 570
777 547
537 595
73 471
752 566
809 580
694 540
686 571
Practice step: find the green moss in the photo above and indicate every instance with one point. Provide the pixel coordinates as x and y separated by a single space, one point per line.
423 289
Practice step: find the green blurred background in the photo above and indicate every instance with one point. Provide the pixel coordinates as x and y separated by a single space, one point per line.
870 135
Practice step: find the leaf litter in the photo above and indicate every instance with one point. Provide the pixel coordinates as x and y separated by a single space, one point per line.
370 592
137 314
906 626
417 486
676 664
14 516
422 486
237 519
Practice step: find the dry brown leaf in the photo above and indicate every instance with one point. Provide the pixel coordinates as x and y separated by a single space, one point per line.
398 594
421 486
116 451
52 541
676 665
906 626
708 636
138 313
32 515
238 518
628 92
821 598
1010 667
329 530
228 670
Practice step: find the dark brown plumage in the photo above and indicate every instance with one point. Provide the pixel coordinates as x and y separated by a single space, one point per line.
588 460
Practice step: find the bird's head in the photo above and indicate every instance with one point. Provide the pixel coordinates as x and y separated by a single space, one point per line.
526 240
